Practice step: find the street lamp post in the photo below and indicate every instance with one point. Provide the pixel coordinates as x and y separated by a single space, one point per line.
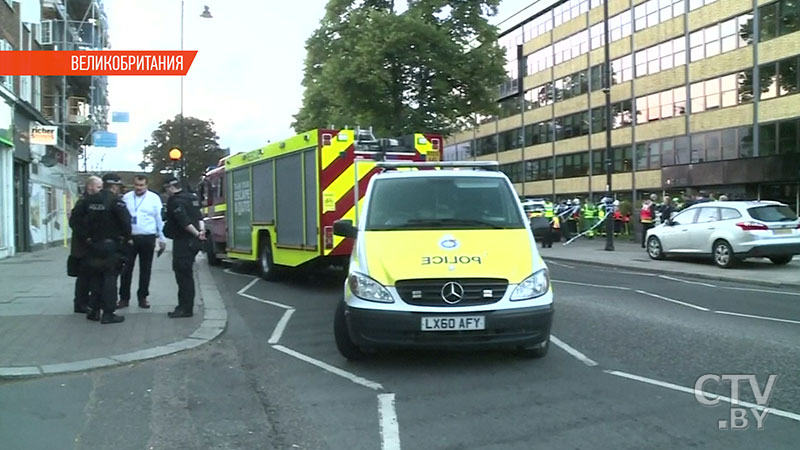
206 15
609 166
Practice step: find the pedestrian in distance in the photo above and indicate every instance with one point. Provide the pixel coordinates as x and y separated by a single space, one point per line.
104 220
79 250
144 207
184 225
647 215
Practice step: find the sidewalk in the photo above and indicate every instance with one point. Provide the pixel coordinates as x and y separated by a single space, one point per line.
630 255
41 335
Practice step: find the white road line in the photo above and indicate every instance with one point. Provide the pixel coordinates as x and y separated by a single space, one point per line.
622 288
334 370
577 354
710 396
243 293
278 332
687 281
560 264
761 291
390 432
757 317
678 302
248 286
231 272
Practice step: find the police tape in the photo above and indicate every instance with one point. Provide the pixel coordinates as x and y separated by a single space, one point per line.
587 231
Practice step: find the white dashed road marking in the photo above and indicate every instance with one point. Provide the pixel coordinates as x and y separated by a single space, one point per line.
567 348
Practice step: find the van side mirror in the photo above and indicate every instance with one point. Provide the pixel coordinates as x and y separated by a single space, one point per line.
345 228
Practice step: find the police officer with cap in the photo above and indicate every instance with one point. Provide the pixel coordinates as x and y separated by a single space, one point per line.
184 225
105 222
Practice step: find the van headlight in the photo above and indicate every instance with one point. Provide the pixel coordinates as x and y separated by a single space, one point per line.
366 288
534 286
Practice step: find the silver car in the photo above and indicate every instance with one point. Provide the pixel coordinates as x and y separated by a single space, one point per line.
729 232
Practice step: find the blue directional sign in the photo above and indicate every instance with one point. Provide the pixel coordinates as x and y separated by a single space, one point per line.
104 139
120 116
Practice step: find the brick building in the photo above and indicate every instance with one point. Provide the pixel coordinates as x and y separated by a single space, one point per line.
704 100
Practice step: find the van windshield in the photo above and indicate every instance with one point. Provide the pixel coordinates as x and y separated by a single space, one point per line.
422 203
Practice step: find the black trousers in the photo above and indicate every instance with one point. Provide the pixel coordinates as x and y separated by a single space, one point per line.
103 285
143 247
645 227
184 251
82 286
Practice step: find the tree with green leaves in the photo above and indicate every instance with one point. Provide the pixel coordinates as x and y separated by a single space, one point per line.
430 68
200 147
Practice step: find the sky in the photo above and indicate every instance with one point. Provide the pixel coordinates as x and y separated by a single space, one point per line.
246 77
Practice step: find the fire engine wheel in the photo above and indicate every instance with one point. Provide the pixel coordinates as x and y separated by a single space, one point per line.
211 252
266 268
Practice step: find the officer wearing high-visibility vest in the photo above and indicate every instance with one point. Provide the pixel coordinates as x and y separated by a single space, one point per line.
589 214
648 215
548 209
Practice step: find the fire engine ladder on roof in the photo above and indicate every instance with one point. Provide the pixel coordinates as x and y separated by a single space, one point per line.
394 165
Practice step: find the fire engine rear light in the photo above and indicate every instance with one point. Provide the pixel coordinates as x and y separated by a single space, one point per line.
328 233
752 226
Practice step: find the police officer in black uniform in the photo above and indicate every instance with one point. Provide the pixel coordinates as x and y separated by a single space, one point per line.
105 223
184 225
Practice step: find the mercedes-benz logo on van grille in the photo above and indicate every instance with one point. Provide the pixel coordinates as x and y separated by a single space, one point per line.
452 292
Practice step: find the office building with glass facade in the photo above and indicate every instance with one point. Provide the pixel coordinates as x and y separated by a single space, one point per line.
704 100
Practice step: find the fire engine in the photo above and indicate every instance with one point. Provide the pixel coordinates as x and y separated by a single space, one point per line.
275 206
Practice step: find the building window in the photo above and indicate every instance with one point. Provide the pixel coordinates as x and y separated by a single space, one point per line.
653 12
539 169
720 92
660 57
574 165
787 137
720 38
661 105
768 139
648 155
779 78
745 141
622 69
513 171
622 160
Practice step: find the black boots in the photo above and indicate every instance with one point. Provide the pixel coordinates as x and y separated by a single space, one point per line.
111 318
178 313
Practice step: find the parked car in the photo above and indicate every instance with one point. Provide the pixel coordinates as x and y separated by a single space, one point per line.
729 232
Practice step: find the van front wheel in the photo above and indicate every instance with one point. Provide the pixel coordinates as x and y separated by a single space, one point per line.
344 343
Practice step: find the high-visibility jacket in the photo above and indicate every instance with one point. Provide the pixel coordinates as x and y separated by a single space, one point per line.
647 215
589 211
556 222
548 210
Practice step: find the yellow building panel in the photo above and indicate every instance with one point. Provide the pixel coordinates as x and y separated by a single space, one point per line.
724 118
510 156
490 157
660 81
596 56
615 7
622 136
571 66
764 2
518 188
572 185
537 79
598 98
572 145
509 123
538 115
661 129
779 48
458 138
619 49
595 15
621 181
539 188
721 9
599 183
721 64
648 179
486 129
779 108
637 2
537 43
568 29
571 106
619 92
659 33
539 151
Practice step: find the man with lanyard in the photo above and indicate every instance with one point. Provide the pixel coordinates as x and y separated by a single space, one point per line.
186 229
144 207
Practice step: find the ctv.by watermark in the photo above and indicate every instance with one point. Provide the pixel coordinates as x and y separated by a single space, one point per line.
739 408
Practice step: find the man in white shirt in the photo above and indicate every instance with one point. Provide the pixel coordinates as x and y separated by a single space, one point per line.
147 225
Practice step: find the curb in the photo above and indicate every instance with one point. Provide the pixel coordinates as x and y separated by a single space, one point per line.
215 320
662 271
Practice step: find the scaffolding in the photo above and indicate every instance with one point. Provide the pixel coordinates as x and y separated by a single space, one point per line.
77 104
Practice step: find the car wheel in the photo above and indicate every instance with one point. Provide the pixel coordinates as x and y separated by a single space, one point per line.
536 351
723 255
344 343
211 252
654 249
266 267
781 260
